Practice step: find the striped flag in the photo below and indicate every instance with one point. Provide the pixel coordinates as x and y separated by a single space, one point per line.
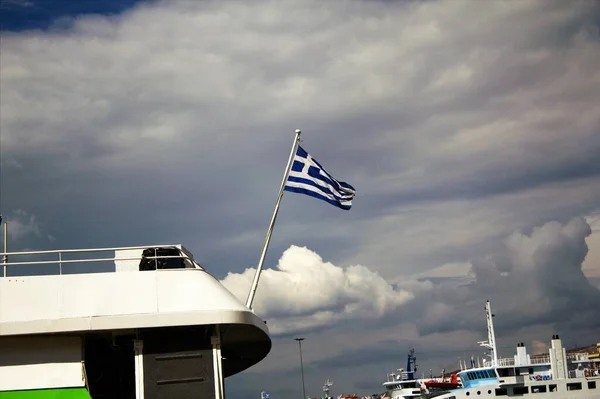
308 177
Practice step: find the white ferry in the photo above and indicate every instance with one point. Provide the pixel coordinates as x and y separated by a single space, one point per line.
555 376
403 384
152 323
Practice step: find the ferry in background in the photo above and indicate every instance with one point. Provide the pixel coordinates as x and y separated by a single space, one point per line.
403 384
150 323
555 376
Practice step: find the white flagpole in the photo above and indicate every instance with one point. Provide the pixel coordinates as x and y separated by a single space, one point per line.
5 257
270 230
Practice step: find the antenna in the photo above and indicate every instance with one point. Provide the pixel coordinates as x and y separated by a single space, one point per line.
326 387
491 342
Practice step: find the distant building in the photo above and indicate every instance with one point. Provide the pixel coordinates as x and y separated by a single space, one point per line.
593 351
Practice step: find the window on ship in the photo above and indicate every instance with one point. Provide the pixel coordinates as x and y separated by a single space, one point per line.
574 386
538 389
501 392
520 390
504 372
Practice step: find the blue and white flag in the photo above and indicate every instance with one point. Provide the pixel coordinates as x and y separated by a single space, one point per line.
308 177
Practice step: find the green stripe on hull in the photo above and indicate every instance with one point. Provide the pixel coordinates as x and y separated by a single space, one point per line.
59 393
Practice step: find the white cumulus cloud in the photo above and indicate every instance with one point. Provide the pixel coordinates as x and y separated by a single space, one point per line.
305 292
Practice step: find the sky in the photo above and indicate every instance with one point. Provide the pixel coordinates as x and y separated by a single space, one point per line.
470 130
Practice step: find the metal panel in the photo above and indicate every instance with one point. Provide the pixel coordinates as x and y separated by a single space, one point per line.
178 363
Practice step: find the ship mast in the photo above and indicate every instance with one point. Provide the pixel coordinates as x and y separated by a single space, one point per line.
327 387
491 342
411 365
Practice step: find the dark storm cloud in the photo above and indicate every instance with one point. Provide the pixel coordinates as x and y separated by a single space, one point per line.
537 279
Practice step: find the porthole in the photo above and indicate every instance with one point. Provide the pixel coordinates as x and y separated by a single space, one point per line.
478 392
468 393
489 391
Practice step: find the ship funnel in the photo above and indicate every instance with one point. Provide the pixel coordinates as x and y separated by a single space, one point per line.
558 358
522 358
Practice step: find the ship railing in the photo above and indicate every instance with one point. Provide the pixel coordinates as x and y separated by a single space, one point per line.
502 362
103 259
510 361
579 357
541 359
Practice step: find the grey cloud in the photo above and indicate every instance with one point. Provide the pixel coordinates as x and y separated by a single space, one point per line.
375 354
145 116
537 279
173 121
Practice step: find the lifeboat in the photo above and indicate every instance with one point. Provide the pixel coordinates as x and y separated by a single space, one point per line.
443 385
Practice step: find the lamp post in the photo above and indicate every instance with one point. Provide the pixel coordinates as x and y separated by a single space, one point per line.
301 366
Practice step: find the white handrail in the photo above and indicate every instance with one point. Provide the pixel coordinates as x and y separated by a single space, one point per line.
66 251
184 254
51 262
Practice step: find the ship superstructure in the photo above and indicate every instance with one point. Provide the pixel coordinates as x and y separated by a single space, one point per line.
131 322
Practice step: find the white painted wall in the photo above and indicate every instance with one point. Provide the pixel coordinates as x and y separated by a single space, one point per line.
40 362
51 298
123 263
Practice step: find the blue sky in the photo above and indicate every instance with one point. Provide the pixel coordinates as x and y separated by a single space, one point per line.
19 15
469 130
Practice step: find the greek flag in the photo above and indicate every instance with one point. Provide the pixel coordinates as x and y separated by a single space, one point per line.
308 177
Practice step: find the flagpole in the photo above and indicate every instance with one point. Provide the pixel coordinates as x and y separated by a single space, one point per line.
261 260
5 257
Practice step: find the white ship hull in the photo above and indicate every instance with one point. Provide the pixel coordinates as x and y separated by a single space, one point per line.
571 388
